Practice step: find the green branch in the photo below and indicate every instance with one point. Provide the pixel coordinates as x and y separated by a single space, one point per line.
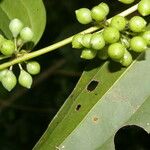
59 44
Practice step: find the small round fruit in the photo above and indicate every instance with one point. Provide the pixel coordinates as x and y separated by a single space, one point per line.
83 15
116 51
98 13
2 73
118 22
97 41
77 41
111 35
9 80
137 24
88 54
144 7
126 60
126 1
26 34
25 79
105 6
146 36
7 47
138 44
86 40
103 54
15 27
33 67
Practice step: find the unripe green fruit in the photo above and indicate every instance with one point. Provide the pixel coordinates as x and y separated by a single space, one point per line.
26 34
15 27
98 13
77 41
137 24
103 54
9 80
126 60
146 36
118 22
33 67
2 73
116 51
83 15
7 47
86 40
144 7
105 6
111 35
138 44
97 41
25 79
88 54
126 1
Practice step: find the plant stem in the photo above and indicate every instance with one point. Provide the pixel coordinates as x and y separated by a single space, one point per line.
59 44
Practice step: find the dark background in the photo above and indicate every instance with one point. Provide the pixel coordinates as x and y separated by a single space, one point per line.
25 114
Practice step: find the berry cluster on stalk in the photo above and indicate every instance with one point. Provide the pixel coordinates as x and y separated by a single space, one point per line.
13 49
119 37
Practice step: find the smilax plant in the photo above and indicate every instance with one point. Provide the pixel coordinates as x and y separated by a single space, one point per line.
122 40
119 37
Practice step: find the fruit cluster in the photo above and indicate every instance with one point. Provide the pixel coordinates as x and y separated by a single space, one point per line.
13 49
118 38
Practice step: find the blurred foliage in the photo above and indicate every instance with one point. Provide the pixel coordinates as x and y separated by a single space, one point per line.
25 114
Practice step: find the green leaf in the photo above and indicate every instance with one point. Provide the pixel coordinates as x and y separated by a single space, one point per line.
30 12
121 97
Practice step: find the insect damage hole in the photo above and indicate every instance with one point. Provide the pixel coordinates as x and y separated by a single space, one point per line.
93 84
78 107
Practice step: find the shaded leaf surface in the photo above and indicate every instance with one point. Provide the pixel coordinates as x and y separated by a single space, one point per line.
115 102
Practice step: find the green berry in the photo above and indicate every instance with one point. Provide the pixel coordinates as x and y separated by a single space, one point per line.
126 60
138 44
126 1
103 54
86 40
7 47
77 41
111 35
88 54
116 51
25 79
144 7
97 41
9 80
83 15
146 36
105 6
98 13
33 67
118 22
26 34
1 40
15 27
137 24
2 73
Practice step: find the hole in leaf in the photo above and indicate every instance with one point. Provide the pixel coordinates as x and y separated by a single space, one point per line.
132 138
92 85
78 107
